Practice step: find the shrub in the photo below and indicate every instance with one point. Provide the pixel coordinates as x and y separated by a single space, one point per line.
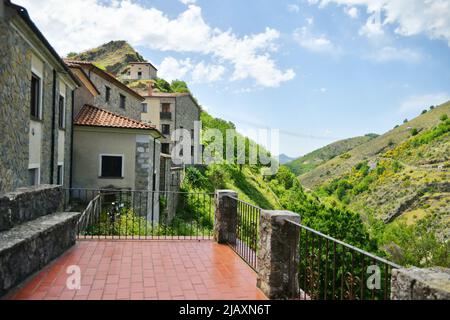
444 117
405 121
414 132
424 111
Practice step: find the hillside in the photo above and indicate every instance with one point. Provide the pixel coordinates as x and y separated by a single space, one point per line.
245 179
113 56
314 159
372 150
401 180
284 159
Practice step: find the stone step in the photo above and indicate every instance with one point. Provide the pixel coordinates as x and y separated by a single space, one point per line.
27 204
30 246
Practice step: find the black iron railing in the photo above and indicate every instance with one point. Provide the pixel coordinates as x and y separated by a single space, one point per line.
166 115
125 214
330 269
246 231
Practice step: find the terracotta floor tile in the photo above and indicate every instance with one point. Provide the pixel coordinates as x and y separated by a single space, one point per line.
151 270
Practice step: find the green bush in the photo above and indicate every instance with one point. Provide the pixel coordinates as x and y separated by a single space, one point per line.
414 132
444 117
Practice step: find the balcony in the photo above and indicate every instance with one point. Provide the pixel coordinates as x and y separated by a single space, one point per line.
136 245
166 115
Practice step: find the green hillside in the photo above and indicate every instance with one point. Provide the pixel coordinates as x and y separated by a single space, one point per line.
399 183
113 56
314 159
372 150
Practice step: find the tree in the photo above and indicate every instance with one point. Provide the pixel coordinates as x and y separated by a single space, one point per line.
162 85
179 86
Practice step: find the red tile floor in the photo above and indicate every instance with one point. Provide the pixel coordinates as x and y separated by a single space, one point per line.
155 270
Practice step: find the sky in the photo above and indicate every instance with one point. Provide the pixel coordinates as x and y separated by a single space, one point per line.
317 70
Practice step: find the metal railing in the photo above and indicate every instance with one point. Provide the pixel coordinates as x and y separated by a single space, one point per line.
89 215
246 232
166 115
330 269
125 214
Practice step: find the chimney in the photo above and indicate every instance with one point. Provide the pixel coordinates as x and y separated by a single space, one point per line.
150 88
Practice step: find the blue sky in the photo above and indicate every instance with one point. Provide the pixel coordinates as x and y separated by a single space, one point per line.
318 70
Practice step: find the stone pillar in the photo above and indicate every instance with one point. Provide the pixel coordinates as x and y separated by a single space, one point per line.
420 284
225 217
278 254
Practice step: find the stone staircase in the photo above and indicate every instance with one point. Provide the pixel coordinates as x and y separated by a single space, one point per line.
34 230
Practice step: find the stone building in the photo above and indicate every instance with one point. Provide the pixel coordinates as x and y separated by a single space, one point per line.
36 101
141 71
170 112
113 95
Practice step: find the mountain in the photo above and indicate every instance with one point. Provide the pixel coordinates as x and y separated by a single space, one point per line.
401 176
113 56
283 159
314 159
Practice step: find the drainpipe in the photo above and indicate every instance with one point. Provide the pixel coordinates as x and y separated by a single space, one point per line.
71 141
52 151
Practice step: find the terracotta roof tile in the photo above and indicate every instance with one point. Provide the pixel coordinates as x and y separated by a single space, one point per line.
96 117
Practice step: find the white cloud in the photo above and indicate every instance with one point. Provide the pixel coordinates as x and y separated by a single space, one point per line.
352 12
172 69
293 7
417 103
188 1
323 90
69 28
388 54
409 17
316 43
203 73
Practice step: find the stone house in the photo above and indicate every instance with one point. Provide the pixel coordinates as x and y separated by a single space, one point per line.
113 95
170 112
36 103
141 71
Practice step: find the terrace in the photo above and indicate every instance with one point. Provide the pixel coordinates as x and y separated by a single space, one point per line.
172 245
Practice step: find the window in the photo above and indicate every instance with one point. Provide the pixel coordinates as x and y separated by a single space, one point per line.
144 108
165 107
165 148
62 112
107 93
140 74
123 101
192 151
111 166
60 175
165 128
33 177
35 107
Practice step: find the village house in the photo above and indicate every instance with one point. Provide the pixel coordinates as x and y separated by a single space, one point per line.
36 102
113 149
170 112
141 71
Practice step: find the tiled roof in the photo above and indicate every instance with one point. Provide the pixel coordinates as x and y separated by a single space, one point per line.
96 117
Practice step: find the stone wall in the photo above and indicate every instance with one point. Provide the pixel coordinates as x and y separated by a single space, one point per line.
147 149
277 257
27 204
15 75
15 84
420 284
133 105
